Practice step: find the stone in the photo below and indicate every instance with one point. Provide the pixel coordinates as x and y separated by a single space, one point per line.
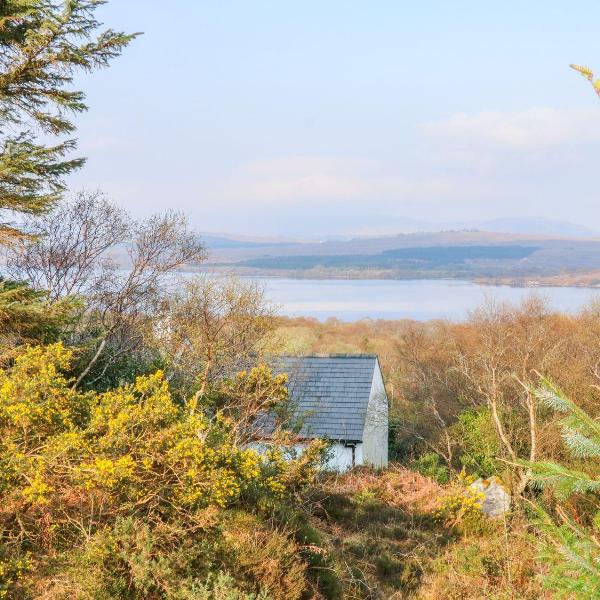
496 500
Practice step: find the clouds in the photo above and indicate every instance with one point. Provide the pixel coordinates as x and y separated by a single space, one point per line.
304 179
461 168
464 167
458 158
332 180
533 129
343 117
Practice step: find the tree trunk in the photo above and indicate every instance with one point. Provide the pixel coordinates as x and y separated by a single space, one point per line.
90 364
194 402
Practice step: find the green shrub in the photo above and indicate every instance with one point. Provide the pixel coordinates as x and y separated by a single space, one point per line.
128 495
478 442
430 464
321 569
217 587
12 568
133 560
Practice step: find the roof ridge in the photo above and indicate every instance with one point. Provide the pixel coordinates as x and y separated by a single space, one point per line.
324 355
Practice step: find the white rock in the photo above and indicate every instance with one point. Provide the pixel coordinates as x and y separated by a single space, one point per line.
496 498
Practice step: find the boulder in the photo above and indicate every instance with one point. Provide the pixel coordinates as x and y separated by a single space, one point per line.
496 500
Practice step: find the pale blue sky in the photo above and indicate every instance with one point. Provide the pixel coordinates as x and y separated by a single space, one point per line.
316 117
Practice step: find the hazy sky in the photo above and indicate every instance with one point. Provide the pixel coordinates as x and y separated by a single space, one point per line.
333 116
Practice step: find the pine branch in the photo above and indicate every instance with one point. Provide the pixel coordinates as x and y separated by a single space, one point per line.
44 43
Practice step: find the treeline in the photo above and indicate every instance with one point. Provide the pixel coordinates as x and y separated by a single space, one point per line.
440 374
404 259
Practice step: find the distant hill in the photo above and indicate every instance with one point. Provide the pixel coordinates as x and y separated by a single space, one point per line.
537 226
219 242
419 258
528 225
512 258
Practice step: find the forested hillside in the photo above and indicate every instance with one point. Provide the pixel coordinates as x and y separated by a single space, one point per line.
518 259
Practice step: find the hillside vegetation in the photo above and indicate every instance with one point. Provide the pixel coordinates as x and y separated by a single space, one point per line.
146 489
468 401
478 255
126 407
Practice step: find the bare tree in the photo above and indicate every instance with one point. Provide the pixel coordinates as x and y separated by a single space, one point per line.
68 244
89 247
214 326
423 359
490 363
125 299
510 344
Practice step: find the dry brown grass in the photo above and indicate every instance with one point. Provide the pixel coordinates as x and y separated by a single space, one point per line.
501 564
397 486
382 531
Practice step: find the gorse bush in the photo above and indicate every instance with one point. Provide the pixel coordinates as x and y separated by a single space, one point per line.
127 477
133 444
462 506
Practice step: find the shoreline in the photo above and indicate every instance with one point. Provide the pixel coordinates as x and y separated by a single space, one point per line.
590 280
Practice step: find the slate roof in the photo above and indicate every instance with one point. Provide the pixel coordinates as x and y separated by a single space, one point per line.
329 394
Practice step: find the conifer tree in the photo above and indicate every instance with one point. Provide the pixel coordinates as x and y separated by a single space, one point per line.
28 317
43 44
571 549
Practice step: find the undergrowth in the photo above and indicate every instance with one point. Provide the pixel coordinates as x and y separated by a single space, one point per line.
385 538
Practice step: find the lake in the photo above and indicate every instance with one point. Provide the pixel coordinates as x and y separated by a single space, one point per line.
350 300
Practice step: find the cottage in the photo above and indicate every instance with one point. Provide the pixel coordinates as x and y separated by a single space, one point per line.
341 398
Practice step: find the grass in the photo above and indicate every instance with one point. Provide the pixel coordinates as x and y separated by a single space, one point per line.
383 540
380 530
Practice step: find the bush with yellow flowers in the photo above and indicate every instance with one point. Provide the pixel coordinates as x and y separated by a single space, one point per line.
462 506
81 469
